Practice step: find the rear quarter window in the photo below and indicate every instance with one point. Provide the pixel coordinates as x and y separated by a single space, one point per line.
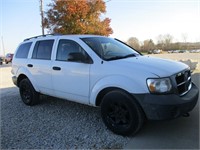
23 50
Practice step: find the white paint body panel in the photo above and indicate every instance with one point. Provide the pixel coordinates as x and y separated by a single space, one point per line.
72 81
82 82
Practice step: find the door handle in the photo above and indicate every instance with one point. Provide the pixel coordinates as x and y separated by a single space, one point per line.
30 65
56 68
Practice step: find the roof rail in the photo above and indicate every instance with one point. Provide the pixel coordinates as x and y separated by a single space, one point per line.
45 35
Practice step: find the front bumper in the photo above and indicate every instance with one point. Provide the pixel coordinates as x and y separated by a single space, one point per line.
169 106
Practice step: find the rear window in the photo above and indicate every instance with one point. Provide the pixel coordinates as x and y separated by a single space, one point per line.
43 49
23 50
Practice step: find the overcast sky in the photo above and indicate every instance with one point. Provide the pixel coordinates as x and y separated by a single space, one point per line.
144 19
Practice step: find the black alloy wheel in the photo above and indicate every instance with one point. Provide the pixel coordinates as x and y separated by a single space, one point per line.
121 114
27 92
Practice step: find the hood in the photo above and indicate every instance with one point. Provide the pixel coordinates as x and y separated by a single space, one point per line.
157 66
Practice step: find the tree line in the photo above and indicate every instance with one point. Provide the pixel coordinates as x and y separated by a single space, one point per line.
164 42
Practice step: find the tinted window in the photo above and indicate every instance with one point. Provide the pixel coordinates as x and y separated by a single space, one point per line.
65 47
23 50
43 49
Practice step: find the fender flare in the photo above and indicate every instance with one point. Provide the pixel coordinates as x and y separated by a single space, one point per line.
26 72
116 81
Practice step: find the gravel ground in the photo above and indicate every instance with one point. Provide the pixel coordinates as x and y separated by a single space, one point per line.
53 124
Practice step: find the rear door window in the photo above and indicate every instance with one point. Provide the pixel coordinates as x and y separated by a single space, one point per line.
43 50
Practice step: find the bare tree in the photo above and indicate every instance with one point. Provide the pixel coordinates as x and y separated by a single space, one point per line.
148 45
184 37
160 42
168 39
165 41
134 42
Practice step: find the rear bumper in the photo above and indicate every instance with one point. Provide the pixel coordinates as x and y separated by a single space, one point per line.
14 79
162 107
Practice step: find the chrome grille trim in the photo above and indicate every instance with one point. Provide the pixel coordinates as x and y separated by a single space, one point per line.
183 82
190 86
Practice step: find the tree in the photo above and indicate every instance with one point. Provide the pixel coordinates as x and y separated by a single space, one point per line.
168 39
185 37
77 17
148 45
164 41
160 42
134 42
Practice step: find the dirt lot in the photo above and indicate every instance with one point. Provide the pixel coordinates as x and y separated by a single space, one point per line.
194 57
60 124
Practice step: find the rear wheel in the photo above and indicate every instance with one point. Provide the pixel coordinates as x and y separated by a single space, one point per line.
28 94
120 113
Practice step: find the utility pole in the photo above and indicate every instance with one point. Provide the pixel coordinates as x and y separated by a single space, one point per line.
3 46
42 16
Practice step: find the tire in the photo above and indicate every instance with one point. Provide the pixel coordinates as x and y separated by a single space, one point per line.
27 92
121 114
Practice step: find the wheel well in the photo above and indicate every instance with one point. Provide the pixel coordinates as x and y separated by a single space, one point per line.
20 78
102 93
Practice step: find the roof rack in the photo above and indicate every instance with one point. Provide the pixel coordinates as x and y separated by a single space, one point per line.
45 35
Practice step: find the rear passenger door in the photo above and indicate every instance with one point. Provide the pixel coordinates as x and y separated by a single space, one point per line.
40 65
71 78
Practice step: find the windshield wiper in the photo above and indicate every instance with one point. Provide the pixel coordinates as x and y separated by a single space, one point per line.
130 55
121 57
115 58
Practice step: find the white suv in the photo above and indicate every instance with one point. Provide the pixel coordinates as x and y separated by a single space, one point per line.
105 72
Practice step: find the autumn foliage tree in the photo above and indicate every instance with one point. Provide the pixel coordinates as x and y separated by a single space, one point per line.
77 17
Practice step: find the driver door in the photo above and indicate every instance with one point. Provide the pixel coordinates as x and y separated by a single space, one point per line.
70 78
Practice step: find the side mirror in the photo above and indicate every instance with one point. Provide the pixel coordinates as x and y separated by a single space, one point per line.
79 57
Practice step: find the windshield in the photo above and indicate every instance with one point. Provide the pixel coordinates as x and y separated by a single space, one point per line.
109 49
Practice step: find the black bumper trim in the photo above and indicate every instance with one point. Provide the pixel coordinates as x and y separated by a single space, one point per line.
169 106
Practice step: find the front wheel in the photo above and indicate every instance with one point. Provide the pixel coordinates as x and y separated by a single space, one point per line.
121 114
28 94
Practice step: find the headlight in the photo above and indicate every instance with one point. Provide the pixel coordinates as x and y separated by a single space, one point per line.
159 85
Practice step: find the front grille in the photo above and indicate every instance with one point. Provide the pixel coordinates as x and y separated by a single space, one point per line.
183 81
